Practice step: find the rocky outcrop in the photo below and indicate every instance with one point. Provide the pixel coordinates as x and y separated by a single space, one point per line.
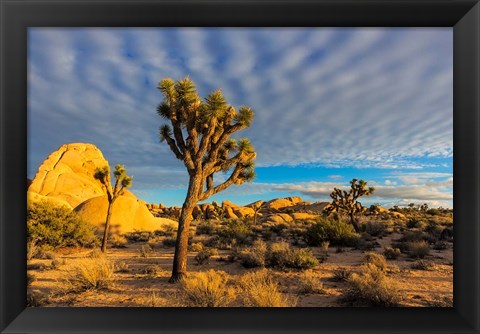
280 203
67 178
67 175
128 214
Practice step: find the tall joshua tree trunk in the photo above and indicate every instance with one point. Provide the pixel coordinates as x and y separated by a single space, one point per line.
107 227
181 246
354 222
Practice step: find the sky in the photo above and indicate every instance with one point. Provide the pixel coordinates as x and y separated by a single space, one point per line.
331 104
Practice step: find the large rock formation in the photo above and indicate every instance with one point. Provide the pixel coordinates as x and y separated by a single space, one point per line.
67 175
129 214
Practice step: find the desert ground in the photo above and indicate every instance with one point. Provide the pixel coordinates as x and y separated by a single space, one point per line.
414 266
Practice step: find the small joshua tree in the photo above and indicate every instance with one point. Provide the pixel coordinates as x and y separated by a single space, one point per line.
122 181
348 201
199 136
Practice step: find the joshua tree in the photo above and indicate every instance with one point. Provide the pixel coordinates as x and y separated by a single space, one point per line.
199 136
122 181
347 201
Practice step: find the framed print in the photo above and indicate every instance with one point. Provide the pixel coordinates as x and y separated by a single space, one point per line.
240 167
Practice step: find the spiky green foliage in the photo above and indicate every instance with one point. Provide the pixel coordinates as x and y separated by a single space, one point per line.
199 134
348 201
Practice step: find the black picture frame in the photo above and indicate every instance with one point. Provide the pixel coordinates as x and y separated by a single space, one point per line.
17 16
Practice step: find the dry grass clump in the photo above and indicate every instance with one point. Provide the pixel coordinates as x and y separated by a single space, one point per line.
418 249
310 282
372 287
92 273
260 290
145 251
122 267
378 260
341 274
206 289
195 247
32 249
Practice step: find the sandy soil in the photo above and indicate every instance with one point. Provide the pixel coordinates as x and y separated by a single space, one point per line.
132 287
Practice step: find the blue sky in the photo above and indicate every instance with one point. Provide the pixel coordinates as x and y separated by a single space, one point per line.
331 104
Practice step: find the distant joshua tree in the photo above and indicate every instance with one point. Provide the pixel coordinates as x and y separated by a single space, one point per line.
348 201
199 136
122 181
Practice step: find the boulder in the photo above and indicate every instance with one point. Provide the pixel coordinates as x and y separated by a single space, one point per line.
279 218
243 212
229 214
303 216
128 214
67 174
280 203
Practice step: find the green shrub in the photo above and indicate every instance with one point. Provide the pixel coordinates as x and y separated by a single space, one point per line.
372 287
203 257
237 230
58 226
418 249
337 233
423 265
207 228
375 229
281 255
254 256
391 253
169 242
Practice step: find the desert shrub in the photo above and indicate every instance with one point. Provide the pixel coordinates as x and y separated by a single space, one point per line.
412 236
423 265
434 212
92 273
145 251
337 233
378 260
341 274
32 249
260 290
206 227
155 242
278 228
30 279
372 287
237 230
35 298
391 253
169 242
416 223
281 255
203 257
58 226
440 245
55 264
206 289
121 267
439 301
418 249
118 241
310 282
196 247
139 236
254 256
153 271
375 229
